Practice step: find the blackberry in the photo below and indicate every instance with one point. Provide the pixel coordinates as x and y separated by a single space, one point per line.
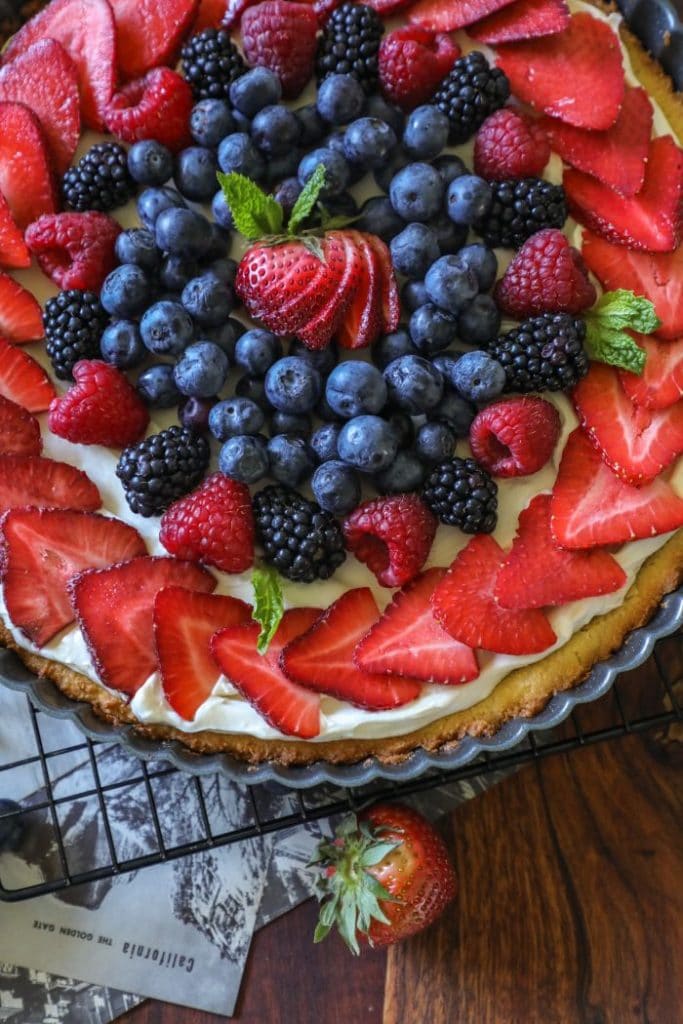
161 468
73 321
469 93
544 353
461 493
211 62
300 540
520 208
100 180
349 45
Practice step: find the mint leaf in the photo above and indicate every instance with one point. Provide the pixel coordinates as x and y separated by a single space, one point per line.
254 213
607 324
307 199
269 605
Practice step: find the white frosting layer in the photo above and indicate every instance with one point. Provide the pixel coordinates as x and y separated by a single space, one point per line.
225 710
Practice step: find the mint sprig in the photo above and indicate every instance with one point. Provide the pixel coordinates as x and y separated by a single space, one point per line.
307 199
257 215
607 326
269 606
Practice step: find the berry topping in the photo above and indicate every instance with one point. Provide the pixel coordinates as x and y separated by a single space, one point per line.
300 540
162 468
19 430
282 36
22 379
510 145
157 107
148 35
445 16
20 316
546 276
115 609
515 437
74 322
76 250
213 524
408 641
544 353
471 91
412 62
349 45
661 383
464 603
32 480
13 249
102 407
25 173
519 209
100 180
392 536
524 19
461 493
211 62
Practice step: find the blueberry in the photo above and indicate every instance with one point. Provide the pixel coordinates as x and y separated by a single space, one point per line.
336 170
426 132
450 284
325 413
208 300
275 130
201 370
449 167
378 217
323 359
414 295
293 385
482 261
217 245
478 377
390 346
341 205
405 474
235 416
176 271
221 212
251 92
242 122
431 329
257 350
286 165
194 413
377 106
368 443
354 388
211 121
244 458
369 141
383 175
479 323
340 99
157 387
238 153
450 237
153 201
195 173
226 335
137 246
254 388
414 385
468 199
336 487
414 250
312 127
182 232
12 824
291 459
455 412
434 442
402 425
166 328
126 291
121 345
150 163
290 423
225 269
416 192
324 441
444 363
286 193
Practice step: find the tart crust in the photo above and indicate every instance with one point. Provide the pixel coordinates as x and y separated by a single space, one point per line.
522 693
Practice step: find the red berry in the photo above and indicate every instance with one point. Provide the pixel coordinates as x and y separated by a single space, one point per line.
282 36
157 107
546 276
412 62
392 536
102 407
515 437
76 250
148 35
26 179
510 145
13 250
20 315
213 524
19 430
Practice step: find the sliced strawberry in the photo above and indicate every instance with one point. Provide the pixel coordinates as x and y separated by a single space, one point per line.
319 330
446 16
184 622
616 157
651 220
408 641
150 32
19 430
115 609
288 707
390 299
44 78
362 322
657 276
524 19
322 659
21 318
464 603
32 480
13 249
575 76
41 549
637 443
86 30
23 380
661 382
537 573
25 174
592 506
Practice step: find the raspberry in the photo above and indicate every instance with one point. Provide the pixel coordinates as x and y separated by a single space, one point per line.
392 536
213 525
75 250
156 107
102 407
282 36
412 63
546 276
515 437
510 145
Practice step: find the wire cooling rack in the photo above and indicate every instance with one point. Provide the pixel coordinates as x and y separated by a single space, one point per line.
95 811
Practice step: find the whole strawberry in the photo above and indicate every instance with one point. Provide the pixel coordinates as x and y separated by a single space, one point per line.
102 407
510 145
387 876
282 36
213 525
392 536
413 61
546 276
